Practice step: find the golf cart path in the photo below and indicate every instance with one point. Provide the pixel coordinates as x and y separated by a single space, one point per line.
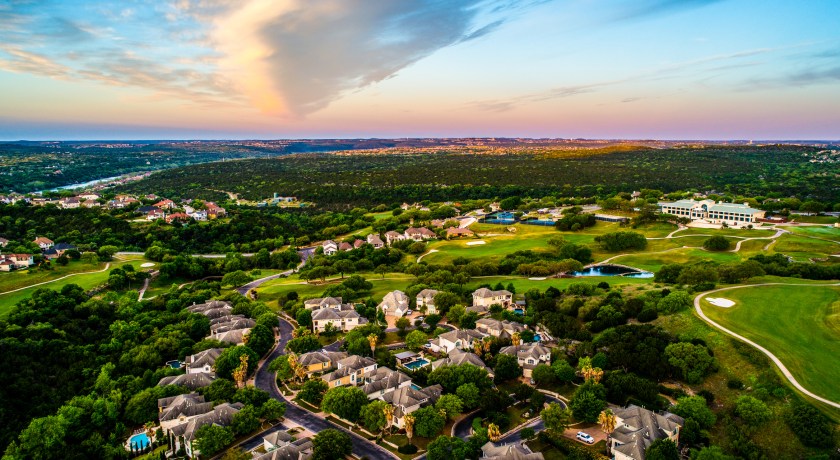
773 357
57 279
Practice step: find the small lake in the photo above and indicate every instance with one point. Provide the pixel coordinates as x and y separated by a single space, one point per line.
614 270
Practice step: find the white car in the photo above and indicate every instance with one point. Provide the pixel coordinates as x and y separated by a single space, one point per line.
409 312
585 437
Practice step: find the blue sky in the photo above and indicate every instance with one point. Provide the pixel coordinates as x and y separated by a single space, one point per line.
690 69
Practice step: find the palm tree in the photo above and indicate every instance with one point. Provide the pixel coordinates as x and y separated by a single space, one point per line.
488 341
607 420
372 339
388 410
241 372
408 420
149 426
515 339
493 432
478 347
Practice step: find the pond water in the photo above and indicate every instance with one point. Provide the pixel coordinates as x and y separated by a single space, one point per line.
614 270
544 222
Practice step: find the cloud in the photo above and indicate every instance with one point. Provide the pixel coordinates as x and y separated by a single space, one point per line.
297 56
645 9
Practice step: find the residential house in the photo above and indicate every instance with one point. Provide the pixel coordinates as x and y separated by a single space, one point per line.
384 381
439 223
212 309
320 361
300 449
529 355
43 242
374 240
455 232
155 214
203 361
235 336
177 216
496 328
345 246
407 400
181 409
9 262
50 254
214 211
480 310
90 196
514 451
191 381
3 242
359 243
485 297
184 434
230 323
637 428
330 247
70 202
392 236
165 204
351 370
91 204
458 357
461 339
343 320
146 209
334 303
395 303
426 300
419 234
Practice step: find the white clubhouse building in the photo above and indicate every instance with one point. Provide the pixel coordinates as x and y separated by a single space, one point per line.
732 214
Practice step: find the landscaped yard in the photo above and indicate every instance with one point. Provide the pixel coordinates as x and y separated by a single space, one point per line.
799 325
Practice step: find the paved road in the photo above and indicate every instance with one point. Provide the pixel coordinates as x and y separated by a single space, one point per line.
462 428
264 380
773 357
256 283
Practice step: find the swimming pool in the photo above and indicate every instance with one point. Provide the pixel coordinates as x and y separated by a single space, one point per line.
536 338
139 441
519 311
417 364
416 386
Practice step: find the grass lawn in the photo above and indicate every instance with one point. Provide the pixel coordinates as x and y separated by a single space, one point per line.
826 232
22 278
754 233
799 325
813 219
802 248
653 262
85 280
549 452
273 289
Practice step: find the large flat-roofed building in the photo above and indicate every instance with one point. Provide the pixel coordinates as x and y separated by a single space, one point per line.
732 214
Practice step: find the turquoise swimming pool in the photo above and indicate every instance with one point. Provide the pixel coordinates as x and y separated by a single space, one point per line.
417 364
139 441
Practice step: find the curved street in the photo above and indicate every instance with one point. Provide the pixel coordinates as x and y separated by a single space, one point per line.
264 380
773 357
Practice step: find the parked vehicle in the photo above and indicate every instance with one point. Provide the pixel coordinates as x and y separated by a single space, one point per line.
585 437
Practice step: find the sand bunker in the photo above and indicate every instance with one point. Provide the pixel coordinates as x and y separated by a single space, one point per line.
473 243
147 265
720 302
537 278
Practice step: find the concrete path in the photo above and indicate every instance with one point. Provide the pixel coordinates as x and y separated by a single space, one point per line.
773 357
108 265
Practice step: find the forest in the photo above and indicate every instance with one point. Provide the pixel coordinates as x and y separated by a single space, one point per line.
352 179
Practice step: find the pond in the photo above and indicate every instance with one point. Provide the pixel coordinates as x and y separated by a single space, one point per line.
614 270
544 222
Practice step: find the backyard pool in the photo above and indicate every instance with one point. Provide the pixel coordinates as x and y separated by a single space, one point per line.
519 311
417 364
614 270
139 441
416 386
174 364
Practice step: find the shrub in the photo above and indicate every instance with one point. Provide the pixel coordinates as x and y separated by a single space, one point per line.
407 449
717 243
647 315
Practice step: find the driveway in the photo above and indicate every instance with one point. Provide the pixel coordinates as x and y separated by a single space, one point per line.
264 380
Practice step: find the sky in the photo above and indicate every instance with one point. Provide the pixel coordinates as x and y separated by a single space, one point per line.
266 69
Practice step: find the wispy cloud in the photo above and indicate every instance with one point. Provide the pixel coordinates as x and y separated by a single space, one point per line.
644 9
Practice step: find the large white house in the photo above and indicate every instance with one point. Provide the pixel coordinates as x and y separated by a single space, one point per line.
344 320
460 339
426 298
529 356
395 303
732 214
637 428
485 297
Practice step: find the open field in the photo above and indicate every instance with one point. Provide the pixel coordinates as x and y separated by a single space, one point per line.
653 262
754 233
801 326
829 233
813 219
803 248
85 280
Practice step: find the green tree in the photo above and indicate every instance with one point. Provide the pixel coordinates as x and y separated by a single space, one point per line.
331 444
303 344
695 408
251 395
273 410
236 278
717 243
304 317
445 300
281 366
455 313
692 361
450 405
345 402
229 360
107 252
543 374
563 371
810 425
415 340
210 439
469 394
662 449
588 401
556 418
312 391
231 454
448 448
344 266
428 422
245 421
220 390
372 416
711 453
507 368
752 411
260 339
402 324
674 302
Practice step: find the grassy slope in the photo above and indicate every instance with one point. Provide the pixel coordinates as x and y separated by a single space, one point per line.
86 281
799 325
